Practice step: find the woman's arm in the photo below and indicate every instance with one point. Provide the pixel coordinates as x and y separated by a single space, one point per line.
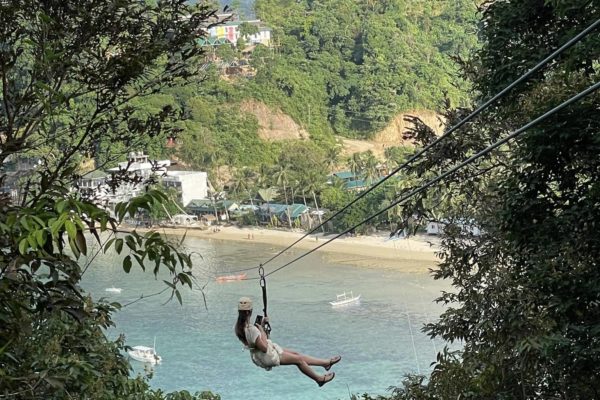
261 341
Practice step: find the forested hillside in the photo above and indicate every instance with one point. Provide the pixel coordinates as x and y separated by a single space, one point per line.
350 65
341 67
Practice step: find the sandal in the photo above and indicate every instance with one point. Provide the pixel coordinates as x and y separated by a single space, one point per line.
325 379
332 362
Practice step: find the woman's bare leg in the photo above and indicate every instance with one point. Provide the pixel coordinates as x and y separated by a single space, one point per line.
288 358
310 360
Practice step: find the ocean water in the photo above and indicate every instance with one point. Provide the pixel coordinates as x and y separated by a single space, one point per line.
380 339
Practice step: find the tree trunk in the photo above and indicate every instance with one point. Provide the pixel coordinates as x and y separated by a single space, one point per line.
216 212
287 211
318 212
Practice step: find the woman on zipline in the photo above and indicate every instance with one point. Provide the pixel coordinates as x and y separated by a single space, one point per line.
267 354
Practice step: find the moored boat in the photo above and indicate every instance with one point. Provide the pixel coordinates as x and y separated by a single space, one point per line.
144 354
228 278
345 299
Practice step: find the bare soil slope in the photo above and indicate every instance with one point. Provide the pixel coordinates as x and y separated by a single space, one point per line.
392 134
273 123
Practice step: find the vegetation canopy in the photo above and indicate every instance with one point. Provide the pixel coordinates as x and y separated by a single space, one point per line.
70 75
524 304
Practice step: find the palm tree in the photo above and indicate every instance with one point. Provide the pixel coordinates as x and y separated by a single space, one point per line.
263 180
281 178
355 164
332 157
242 183
338 183
315 183
214 193
371 171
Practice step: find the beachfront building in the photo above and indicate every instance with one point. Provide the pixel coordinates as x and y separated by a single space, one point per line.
93 184
189 185
208 210
140 164
298 213
351 180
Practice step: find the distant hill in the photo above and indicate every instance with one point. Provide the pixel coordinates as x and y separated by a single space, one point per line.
247 6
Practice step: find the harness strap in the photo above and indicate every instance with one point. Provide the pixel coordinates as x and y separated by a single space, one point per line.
263 285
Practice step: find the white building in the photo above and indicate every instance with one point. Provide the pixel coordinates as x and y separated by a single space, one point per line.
139 162
190 184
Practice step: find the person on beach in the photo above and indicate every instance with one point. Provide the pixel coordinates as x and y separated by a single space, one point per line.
266 354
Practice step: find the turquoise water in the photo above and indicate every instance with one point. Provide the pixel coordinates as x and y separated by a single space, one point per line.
380 339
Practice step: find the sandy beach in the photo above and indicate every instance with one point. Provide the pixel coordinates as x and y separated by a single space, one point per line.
416 254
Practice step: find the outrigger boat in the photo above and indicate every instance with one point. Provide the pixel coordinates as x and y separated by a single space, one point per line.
228 278
145 354
345 299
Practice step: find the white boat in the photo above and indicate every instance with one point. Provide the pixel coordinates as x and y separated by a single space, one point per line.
144 354
345 299
113 289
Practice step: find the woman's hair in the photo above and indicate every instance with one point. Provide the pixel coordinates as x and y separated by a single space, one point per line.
242 320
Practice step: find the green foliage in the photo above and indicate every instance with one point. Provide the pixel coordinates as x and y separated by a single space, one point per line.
338 67
364 63
72 78
525 298
165 208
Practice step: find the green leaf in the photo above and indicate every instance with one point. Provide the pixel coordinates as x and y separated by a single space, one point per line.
32 242
140 261
108 244
41 235
61 205
119 245
25 223
55 383
127 264
81 242
185 278
169 284
71 229
130 241
39 221
178 295
23 246
74 248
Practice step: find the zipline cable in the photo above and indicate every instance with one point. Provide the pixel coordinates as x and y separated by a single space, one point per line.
469 160
461 123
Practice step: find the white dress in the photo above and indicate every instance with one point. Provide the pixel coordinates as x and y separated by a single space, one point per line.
266 360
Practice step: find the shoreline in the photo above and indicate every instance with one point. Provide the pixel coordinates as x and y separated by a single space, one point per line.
415 254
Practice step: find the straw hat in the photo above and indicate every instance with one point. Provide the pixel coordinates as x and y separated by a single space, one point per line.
245 304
